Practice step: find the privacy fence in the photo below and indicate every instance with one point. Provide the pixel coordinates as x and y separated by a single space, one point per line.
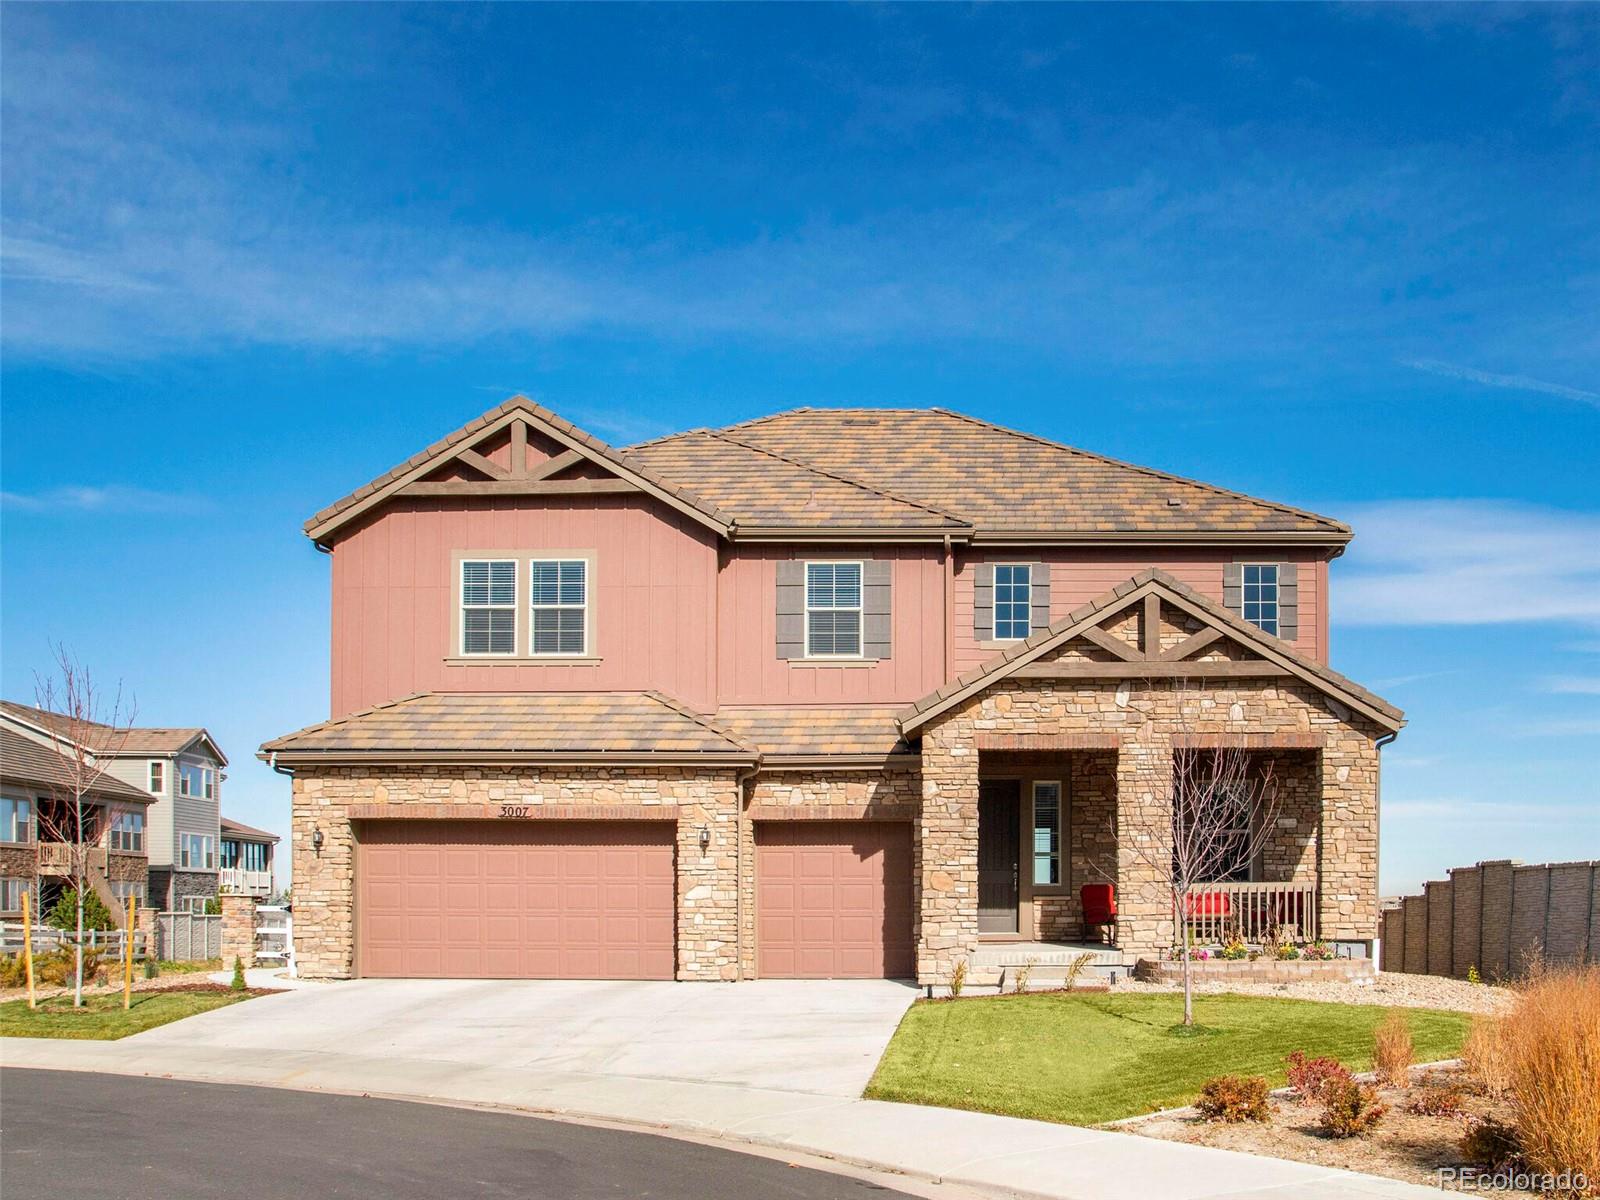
1494 917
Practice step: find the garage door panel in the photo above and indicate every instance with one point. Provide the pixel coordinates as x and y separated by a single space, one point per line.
833 899
458 899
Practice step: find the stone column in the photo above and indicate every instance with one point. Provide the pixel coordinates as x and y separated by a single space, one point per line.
947 836
708 879
1144 842
148 923
324 879
238 930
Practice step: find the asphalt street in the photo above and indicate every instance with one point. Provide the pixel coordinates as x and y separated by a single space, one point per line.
112 1137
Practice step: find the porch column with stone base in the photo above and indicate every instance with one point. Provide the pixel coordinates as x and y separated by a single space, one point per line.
947 832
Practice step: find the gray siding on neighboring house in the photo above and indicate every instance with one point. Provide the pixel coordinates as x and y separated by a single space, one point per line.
158 843
196 814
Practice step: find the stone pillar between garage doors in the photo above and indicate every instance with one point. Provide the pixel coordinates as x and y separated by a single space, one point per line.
708 880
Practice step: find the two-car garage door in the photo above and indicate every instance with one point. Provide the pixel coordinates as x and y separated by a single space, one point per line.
533 900
596 899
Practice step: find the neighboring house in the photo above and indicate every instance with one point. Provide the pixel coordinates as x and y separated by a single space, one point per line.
180 772
246 862
827 693
38 825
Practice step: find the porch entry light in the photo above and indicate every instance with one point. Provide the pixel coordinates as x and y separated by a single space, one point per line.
316 840
705 839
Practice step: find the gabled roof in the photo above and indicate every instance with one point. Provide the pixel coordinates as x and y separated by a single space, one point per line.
519 411
564 727
25 762
245 833
1085 621
147 739
1007 483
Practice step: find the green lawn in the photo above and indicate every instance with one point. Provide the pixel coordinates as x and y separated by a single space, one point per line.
1083 1059
102 1017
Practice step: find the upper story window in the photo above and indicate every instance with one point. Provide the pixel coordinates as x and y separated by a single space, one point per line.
247 856
158 778
559 595
197 852
488 606
127 833
833 610
197 781
1260 595
16 819
1013 601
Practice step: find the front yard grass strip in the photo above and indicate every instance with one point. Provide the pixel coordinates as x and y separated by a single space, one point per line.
1085 1059
102 1017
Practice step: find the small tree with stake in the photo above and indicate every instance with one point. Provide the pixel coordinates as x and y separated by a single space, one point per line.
1224 807
86 731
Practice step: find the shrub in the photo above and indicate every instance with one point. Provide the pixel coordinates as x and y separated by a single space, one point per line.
1551 1045
1392 1051
214 906
1349 1109
1234 1098
1472 974
1288 950
1318 952
1307 1076
1490 1143
56 968
1484 1056
1436 1100
958 978
152 968
238 974
1234 949
65 913
1025 970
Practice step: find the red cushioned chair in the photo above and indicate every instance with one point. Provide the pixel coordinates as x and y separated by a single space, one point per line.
1099 902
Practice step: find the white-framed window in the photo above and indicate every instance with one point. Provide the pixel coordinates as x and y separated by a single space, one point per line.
197 852
137 888
17 819
1013 602
196 905
127 832
558 595
488 607
11 889
1046 833
833 610
158 777
1260 595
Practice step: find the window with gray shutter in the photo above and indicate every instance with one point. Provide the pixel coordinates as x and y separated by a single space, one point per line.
983 603
877 605
1011 601
1265 594
835 609
791 609
1040 579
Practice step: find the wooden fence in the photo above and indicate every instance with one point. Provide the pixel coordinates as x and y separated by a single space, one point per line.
47 937
1494 916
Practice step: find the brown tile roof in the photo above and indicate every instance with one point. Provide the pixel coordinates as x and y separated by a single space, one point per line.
1014 657
532 724
32 764
138 740
999 480
766 488
864 730
245 832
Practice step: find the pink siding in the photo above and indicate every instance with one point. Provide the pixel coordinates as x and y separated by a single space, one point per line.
1078 576
750 672
654 585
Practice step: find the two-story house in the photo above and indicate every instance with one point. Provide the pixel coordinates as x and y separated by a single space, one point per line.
180 772
43 846
827 693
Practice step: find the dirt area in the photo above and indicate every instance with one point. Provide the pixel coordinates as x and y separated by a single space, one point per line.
1404 991
173 981
1404 1145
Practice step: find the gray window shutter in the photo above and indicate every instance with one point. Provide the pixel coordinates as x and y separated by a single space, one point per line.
876 608
791 609
1288 601
1039 596
983 603
1233 588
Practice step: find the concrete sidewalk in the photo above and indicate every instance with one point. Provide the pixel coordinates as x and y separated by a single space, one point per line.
1001 1154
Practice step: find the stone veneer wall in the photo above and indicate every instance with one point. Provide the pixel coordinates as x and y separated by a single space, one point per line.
1145 717
707 883
892 794
182 885
20 862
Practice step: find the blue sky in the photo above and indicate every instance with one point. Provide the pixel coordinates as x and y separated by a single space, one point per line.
1344 257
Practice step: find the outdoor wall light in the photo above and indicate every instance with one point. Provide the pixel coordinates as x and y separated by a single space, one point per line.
316 840
705 839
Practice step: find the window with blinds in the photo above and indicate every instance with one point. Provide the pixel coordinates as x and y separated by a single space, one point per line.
1046 834
559 593
488 606
833 610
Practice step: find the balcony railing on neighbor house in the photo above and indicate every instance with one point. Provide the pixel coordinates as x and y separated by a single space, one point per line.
245 883
1252 911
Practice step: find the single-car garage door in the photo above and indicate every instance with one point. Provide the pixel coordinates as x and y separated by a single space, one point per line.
833 900
523 900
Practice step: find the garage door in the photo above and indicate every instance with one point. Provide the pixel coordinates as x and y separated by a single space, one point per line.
833 900
534 900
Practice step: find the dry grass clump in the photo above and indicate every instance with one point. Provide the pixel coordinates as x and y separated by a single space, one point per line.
1483 1054
1551 1043
1392 1051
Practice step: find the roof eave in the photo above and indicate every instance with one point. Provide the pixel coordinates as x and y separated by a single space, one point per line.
1156 537
577 758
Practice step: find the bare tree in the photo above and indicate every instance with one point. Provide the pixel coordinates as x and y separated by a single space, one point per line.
87 730
1224 807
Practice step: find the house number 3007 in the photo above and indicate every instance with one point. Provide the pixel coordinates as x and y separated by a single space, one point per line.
516 810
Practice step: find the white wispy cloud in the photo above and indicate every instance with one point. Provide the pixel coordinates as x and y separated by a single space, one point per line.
112 500
1468 562
1572 685
1520 383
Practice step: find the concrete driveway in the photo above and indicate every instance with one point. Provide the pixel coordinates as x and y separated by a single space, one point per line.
821 1036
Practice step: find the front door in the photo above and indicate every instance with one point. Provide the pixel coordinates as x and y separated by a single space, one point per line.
999 819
